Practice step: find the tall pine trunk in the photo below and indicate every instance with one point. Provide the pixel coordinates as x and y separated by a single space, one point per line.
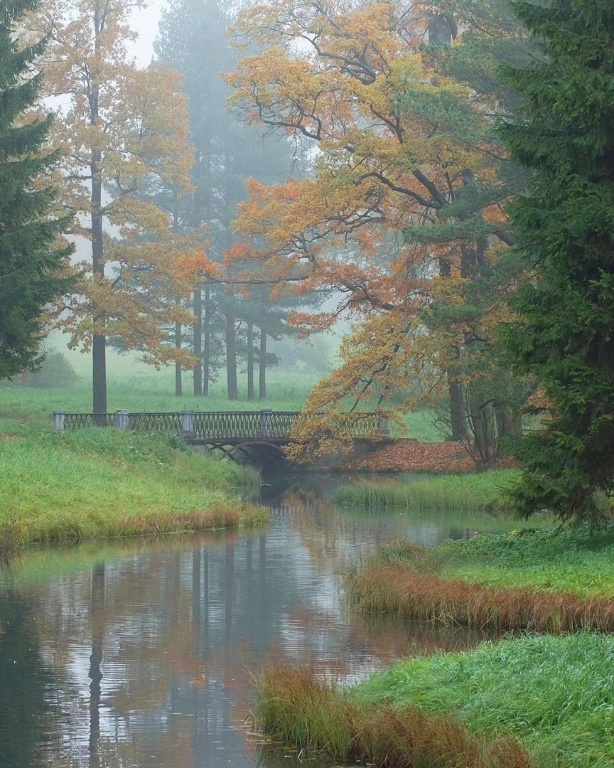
207 342
250 361
178 372
262 364
231 356
99 341
197 344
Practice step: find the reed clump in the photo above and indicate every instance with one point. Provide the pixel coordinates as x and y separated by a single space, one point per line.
297 708
427 597
533 700
540 580
466 492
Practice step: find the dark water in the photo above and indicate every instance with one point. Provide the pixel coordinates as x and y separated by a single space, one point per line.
140 653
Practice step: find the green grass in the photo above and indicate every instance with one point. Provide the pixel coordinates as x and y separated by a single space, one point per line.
98 482
536 700
575 561
554 694
134 386
465 492
421 426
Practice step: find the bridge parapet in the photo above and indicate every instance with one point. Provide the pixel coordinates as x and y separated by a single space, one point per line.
221 425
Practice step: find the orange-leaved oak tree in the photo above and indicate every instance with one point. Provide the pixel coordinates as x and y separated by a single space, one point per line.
405 209
123 132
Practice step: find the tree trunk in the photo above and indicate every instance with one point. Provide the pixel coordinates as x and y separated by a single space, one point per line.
485 443
250 361
458 412
197 346
207 343
178 377
262 364
509 421
99 341
231 356
456 393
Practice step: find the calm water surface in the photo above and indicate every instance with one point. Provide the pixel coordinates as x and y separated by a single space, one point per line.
139 654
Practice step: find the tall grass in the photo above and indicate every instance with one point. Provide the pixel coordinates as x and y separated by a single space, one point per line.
552 693
297 708
540 580
99 482
448 492
391 589
542 701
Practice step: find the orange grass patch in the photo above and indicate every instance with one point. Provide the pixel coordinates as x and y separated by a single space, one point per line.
300 710
392 589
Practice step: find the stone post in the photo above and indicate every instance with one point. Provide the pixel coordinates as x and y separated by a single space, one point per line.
187 424
58 421
383 426
265 424
122 420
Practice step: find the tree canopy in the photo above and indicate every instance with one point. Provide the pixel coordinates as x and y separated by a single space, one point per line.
404 216
123 131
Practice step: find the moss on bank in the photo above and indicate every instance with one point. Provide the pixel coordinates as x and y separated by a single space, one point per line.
102 482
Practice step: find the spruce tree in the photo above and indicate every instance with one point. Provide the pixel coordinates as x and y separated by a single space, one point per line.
564 134
33 268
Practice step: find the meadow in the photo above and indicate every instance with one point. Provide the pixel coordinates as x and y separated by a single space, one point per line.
136 387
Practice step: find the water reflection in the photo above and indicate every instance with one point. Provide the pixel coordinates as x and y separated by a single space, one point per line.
140 654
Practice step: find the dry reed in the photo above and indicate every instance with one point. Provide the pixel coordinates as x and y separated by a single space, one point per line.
393 589
298 709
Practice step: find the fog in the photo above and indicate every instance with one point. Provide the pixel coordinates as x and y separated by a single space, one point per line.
145 22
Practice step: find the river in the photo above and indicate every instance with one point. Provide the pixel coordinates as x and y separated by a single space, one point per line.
140 654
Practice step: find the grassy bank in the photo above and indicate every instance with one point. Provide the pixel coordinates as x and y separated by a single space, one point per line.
539 580
298 709
97 482
465 492
575 561
458 710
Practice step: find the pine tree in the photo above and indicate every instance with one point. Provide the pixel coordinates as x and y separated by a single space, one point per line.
33 267
564 134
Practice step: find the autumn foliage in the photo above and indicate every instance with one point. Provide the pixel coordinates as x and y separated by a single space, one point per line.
404 215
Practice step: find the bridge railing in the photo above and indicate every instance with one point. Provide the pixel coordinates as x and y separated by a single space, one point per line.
219 425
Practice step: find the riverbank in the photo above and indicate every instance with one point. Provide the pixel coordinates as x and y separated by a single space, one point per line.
520 703
529 700
95 483
464 492
540 580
